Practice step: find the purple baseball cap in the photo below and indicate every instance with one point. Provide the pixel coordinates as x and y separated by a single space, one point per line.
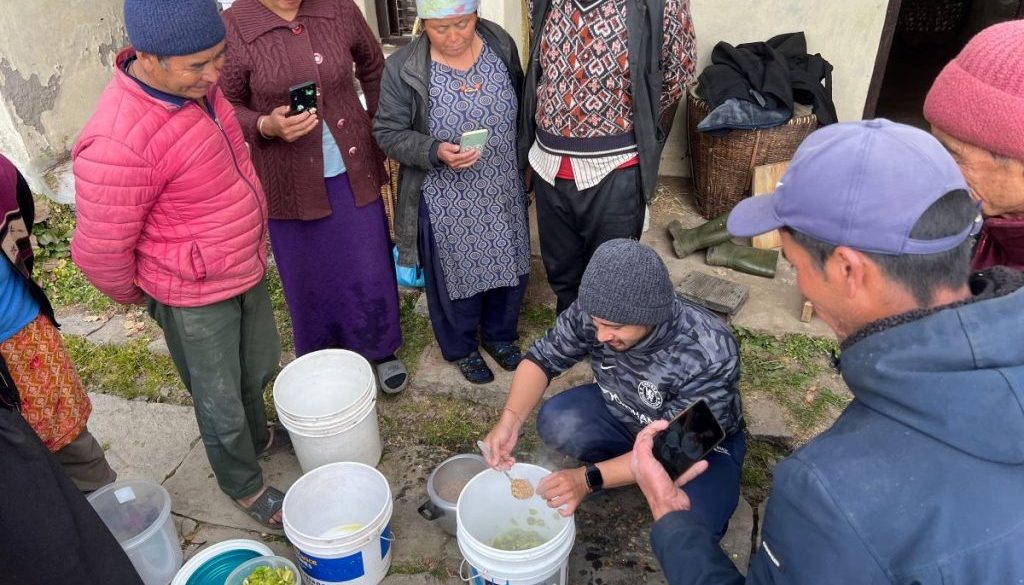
859 184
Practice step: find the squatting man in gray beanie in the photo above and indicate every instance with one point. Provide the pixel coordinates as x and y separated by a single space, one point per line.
652 354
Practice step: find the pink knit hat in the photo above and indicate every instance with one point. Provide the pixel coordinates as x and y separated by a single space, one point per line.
979 96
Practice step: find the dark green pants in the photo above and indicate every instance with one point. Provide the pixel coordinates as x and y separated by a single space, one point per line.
226 353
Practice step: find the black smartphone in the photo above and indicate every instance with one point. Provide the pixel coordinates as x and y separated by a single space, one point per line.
690 436
303 98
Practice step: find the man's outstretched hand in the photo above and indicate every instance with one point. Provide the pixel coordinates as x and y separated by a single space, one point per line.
663 495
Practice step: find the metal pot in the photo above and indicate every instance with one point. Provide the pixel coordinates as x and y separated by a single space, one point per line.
444 486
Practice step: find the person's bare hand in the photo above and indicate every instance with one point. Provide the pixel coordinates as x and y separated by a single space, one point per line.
663 495
501 440
564 489
278 124
449 154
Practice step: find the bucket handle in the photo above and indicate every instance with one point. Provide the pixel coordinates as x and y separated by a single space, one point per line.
480 574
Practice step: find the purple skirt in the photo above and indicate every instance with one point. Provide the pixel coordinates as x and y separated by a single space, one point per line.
338 277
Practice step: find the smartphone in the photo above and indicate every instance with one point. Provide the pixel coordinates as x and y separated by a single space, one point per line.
473 140
303 98
690 436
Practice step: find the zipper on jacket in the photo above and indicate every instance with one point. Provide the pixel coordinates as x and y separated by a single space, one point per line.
245 179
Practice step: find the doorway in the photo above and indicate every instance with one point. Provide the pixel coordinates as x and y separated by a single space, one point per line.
395 20
919 38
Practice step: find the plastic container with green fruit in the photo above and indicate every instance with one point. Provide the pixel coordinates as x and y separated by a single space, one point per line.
267 570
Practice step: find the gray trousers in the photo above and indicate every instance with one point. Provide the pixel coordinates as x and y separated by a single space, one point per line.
226 353
85 463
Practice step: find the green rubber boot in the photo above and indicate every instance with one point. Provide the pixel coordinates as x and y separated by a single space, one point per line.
687 241
744 259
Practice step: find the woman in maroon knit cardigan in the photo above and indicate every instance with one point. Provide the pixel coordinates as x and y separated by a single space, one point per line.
321 171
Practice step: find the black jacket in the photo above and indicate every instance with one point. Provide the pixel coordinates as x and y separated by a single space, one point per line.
780 70
401 126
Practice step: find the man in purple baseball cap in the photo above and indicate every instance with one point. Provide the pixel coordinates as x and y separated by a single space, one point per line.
919 480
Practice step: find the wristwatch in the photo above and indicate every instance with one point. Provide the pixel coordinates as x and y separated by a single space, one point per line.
595 481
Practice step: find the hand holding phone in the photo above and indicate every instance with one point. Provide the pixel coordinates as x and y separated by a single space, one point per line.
302 98
473 140
690 436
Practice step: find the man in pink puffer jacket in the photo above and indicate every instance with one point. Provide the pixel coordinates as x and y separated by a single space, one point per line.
171 214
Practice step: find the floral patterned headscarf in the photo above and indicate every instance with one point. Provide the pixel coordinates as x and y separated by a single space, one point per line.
445 8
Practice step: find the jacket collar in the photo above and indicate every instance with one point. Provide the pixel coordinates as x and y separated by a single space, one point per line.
254 19
140 89
995 282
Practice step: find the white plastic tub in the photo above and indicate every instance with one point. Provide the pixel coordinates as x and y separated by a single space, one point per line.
337 517
138 513
327 400
486 509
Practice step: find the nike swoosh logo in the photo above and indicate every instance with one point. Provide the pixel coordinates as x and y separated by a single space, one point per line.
604 367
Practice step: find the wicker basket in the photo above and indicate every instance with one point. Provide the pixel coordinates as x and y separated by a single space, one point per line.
931 21
722 166
389 193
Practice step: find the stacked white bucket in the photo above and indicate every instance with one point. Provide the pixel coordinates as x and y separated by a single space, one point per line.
328 402
486 509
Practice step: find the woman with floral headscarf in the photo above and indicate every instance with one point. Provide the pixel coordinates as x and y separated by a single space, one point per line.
462 211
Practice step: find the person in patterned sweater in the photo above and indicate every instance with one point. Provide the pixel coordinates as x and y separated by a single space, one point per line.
652 355
602 86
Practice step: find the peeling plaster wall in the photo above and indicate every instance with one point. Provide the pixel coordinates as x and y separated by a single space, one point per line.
845 33
55 59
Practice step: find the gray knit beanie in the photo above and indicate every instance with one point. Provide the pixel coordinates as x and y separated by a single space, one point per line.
627 283
171 28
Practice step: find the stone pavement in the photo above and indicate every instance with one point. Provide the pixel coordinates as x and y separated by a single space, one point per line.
161 443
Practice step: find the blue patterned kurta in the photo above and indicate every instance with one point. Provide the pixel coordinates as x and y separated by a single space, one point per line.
478 214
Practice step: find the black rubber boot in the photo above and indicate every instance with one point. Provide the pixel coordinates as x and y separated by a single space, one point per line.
688 241
744 259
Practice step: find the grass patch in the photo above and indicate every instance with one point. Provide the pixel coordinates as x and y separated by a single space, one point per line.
439 421
787 369
129 371
281 315
534 320
65 285
756 481
416 332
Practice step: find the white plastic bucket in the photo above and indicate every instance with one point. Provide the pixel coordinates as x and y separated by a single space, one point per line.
138 513
486 509
337 517
328 402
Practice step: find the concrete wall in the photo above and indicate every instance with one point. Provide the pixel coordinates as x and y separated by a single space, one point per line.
51 76
55 59
845 33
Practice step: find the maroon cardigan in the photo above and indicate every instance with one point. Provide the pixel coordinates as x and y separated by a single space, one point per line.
267 55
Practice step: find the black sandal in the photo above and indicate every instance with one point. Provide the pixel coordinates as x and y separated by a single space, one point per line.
474 369
264 508
507 355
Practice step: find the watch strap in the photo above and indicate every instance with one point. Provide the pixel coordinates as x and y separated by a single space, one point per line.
595 481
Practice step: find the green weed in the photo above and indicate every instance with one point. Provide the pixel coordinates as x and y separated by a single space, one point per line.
128 371
416 332
788 369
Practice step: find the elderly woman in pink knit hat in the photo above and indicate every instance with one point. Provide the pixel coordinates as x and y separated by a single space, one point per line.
976 109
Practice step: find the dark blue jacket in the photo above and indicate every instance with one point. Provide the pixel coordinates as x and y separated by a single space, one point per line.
920 480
